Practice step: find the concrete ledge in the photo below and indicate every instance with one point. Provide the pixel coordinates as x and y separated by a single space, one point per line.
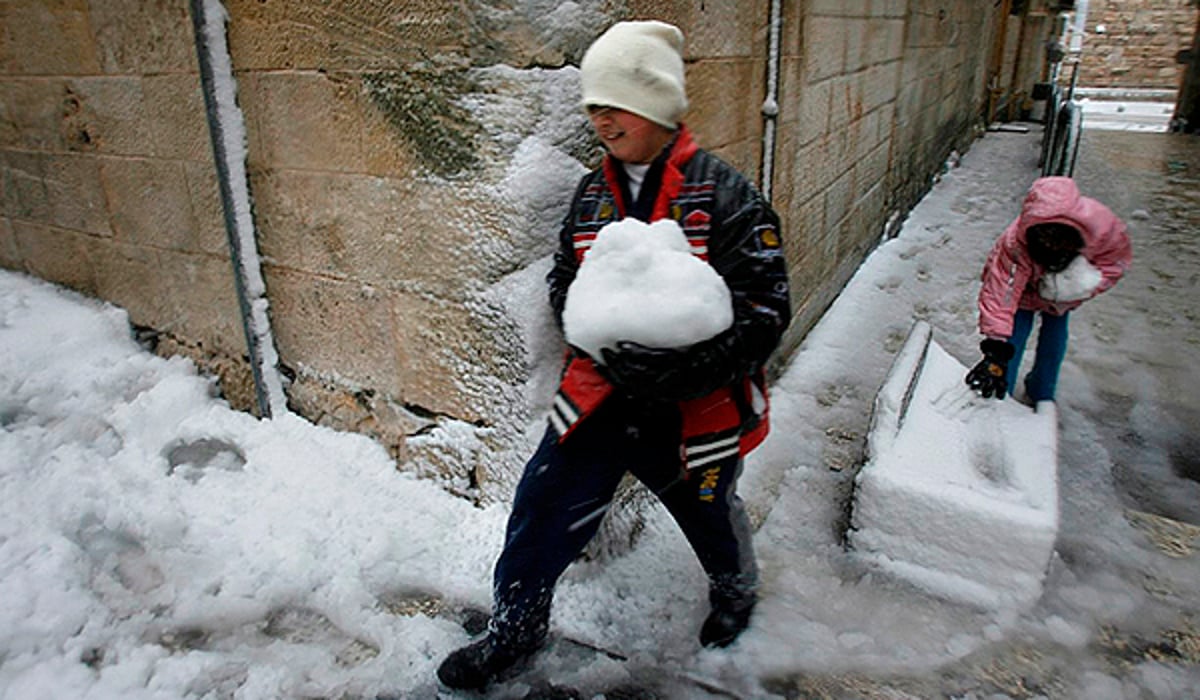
960 494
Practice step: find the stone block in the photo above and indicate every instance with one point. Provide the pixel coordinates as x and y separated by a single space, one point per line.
813 114
132 278
385 152
894 9
30 113
150 203
712 29
725 116
871 171
457 359
857 49
137 37
745 155
784 190
208 214
824 48
203 301
869 211
791 38
799 220
175 113
25 194
845 100
303 120
885 40
879 85
823 243
75 193
359 35
10 256
420 235
105 115
822 162
854 239
936 28
839 8
801 242
56 255
47 37
719 29
838 197
423 108
335 328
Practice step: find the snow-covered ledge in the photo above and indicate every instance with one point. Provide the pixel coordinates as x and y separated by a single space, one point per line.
960 494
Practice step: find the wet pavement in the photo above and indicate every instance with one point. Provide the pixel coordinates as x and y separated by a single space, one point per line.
1151 407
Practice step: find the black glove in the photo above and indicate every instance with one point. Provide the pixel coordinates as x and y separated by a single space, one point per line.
672 374
990 376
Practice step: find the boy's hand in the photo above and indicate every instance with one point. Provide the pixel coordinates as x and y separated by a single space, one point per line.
641 371
671 374
990 377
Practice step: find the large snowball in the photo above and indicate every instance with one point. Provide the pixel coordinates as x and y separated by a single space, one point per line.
640 282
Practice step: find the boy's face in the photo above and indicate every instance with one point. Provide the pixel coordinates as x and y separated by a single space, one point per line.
629 137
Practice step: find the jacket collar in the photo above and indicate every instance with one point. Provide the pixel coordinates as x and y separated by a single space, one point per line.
674 157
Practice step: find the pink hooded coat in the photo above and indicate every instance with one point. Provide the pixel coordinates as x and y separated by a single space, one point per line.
1010 276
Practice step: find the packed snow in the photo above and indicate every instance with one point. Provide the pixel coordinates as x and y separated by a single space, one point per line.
640 282
156 544
973 515
1077 282
1115 114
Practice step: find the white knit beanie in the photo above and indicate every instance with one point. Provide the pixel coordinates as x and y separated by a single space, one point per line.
637 67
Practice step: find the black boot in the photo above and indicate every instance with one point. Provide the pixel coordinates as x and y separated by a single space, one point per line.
476 665
726 621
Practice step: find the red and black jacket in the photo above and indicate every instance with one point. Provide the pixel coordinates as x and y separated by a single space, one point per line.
728 224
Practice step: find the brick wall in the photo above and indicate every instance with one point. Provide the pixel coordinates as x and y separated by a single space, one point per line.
1133 43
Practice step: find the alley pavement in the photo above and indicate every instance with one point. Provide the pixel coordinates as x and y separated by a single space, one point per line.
1135 432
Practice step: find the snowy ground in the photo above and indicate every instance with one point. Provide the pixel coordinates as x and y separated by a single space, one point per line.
1126 115
155 544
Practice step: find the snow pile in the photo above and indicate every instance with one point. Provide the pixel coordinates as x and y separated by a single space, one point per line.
156 544
972 514
640 282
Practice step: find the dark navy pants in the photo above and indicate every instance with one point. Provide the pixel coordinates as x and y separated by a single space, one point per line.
567 488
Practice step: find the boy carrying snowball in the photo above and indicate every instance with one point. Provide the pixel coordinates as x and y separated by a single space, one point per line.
669 327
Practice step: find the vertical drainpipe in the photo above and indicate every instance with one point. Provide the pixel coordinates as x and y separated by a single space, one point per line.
770 107
227 129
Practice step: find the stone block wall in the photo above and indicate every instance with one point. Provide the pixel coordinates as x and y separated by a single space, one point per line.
1133 43
409 163
875 96
107 179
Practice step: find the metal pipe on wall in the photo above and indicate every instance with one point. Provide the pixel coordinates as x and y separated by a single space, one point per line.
770 107
227 130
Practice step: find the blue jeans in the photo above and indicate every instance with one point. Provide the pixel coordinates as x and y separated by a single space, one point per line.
1042 380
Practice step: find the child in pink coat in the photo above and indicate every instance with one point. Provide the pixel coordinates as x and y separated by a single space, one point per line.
1062 250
